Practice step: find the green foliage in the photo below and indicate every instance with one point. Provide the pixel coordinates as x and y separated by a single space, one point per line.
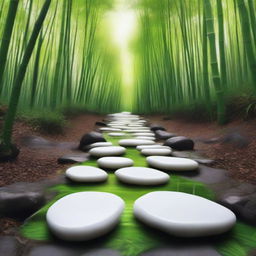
50 122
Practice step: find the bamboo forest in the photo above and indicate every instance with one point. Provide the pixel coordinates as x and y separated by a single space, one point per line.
127 127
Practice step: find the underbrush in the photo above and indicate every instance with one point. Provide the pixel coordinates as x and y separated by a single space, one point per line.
48 122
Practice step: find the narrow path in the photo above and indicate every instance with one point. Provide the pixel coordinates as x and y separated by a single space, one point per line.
131 238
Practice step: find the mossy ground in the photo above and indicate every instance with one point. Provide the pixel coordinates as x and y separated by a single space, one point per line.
131 237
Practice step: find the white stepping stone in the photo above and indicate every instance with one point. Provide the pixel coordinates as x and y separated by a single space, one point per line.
141 129
84 215
134 142
116 134
115 162
109 129
172 163
83 173
145 138
136 130
100 144
182 214
107 151
155 146
156 152
142 176
143 134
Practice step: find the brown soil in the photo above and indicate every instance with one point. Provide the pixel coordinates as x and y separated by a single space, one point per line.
36 164
239 162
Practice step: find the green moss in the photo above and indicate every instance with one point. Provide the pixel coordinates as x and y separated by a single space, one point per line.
132 237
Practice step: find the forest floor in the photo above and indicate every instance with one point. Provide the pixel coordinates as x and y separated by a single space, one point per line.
36 164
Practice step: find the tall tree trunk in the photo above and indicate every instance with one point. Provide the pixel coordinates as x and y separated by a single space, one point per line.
221 109
10 116
7 34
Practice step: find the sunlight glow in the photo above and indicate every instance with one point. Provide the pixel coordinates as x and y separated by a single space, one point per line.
123 24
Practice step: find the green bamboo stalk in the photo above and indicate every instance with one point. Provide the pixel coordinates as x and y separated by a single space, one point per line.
10 116
7 34
221 111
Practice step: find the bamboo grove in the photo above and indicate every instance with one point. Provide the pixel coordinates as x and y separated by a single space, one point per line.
194 52
69 64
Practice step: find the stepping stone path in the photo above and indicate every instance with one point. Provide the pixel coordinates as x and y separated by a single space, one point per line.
114 162
134 142
172 163
86 174
141 176
107 151
116 134
182 214
156 152
88 215
100 144
156 146
84 215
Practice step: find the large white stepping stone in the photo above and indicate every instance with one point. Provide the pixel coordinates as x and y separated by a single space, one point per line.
109 129
155 146
107 151
100 144
156 152
84 215
182 214
142 176
83 173
172 163
145 137
116 134
115 162
134 142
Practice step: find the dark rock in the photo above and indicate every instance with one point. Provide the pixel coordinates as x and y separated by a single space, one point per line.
155 127
244 206
183 250
102 252
9 246
180 143
236 139
52 250
192 155
20 200
90 138
73 158
163 135
207 175
8 154
100 123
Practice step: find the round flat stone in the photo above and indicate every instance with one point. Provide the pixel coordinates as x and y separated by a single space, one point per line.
100 144
145 138
143 134
107 151
156 146
83 173
134 142
116 134
115 162
156 152
109 129
142 176
182 214
172 163
84 215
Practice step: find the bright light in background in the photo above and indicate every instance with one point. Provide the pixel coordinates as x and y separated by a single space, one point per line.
122 26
